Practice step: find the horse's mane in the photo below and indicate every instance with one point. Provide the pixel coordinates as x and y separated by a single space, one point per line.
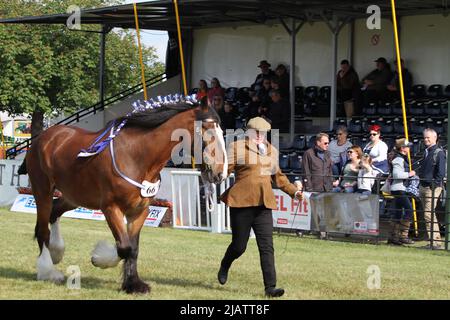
152 118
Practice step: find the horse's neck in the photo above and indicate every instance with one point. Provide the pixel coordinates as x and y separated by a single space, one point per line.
157 145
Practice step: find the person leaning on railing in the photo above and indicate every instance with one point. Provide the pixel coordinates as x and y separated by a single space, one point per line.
403 208
432 173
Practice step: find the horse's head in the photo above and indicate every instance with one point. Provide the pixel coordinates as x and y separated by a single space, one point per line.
214 164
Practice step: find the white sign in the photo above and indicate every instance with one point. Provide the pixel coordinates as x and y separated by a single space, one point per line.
155 214
26 203
10 180
291 213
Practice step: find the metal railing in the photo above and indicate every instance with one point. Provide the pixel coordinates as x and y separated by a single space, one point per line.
11 153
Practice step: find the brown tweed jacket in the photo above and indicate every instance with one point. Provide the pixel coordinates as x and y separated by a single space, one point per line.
254 174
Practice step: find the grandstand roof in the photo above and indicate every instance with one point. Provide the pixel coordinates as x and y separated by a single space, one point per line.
159 15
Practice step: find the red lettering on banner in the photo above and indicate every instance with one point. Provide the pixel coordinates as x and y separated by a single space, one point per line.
282 208
282 221
305 206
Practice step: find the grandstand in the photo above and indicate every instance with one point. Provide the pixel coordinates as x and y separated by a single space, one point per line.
227 39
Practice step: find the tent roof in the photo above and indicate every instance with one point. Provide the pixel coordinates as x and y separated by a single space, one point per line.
159 15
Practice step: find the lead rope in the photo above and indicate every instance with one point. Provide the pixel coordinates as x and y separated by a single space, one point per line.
292 226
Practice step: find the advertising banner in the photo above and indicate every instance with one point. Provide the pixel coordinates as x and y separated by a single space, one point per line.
26 203
285 215
10 180
350 213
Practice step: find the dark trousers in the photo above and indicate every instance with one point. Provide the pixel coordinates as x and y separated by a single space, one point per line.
260 219
403 206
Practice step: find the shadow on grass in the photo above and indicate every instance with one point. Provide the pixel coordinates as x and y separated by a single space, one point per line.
86 282
185 283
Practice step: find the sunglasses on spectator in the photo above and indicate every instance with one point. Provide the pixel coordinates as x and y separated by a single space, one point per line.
340 134
349 151
326 143
374 134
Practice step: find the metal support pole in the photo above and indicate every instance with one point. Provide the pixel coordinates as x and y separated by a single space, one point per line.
333 79
351 41
292 81
102 66
447 202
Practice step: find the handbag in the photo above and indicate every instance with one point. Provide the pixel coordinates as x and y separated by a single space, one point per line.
413 186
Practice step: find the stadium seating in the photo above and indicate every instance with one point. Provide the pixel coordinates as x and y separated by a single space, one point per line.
432 108
385 109
283 161
419 91
295 162
435 91
231 93
299 142
370 109
355 126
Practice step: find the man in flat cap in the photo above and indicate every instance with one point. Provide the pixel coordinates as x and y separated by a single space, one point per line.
251 200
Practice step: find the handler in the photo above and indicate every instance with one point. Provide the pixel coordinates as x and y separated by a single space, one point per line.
251 200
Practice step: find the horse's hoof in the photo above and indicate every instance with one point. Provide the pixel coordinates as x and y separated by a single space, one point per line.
136 287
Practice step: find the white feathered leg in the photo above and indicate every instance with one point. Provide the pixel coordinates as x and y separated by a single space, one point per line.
105 255
45 269
56 243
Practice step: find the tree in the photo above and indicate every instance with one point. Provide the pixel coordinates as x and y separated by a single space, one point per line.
46 69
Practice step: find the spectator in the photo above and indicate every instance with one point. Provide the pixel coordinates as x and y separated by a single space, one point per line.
215 90
350 172
394 87
377 150
282 76
264 91
375 83
202 89
403 207
227 118
366 175
432 171
317 165
217 103
279 112
338 148
253 107
348 88
266 73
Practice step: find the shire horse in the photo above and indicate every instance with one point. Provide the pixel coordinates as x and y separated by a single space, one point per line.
141 151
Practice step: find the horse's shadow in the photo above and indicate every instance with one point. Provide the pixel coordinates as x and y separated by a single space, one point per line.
96 283
86 282
181 282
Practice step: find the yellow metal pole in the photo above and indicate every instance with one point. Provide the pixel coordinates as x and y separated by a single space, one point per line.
402 97
140 51
180 45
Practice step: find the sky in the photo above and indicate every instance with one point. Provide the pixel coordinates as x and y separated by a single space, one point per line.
154 38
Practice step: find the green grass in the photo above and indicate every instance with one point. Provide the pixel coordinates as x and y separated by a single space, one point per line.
182 264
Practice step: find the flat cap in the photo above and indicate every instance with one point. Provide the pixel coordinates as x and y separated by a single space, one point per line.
402 143
259 124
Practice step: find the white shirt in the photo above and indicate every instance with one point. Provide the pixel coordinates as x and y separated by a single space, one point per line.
366 179
378 152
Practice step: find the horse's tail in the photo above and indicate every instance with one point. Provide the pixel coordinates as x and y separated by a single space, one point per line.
23 168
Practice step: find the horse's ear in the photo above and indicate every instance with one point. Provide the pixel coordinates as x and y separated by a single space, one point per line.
204 103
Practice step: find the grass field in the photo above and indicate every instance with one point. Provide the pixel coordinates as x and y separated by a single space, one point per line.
182 264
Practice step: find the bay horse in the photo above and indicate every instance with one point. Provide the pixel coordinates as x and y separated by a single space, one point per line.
141 151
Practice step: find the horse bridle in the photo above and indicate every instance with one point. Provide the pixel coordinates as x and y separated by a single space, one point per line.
210 188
